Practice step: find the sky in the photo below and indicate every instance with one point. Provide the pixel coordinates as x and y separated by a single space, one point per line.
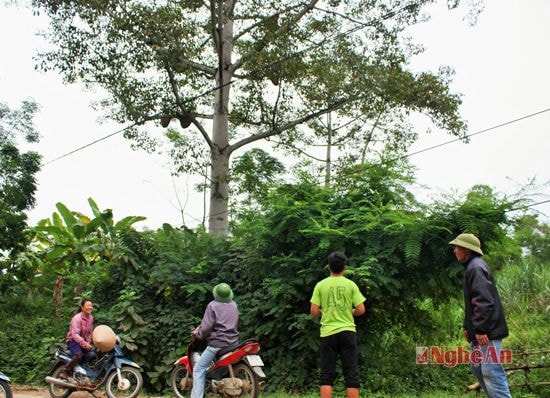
501 70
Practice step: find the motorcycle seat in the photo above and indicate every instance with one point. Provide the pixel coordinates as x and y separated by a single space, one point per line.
233 347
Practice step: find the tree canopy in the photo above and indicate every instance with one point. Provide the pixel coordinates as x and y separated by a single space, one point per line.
17 173
232 73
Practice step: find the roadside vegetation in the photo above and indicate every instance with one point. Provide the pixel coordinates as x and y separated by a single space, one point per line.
151 287
271 238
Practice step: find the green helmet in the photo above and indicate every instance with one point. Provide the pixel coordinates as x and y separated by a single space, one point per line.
468 241
223 293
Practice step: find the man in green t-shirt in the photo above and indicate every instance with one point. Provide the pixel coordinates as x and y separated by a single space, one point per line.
336 300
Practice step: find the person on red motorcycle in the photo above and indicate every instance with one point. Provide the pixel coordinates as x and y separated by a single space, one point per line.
219 328
79 336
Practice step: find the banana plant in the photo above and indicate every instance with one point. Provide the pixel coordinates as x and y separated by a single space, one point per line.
76 249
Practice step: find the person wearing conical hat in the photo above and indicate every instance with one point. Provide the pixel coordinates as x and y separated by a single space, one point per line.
484 320
219 328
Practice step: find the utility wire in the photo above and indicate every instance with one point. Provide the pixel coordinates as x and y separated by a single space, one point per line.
528 206
360 26
446 143
90 144
388 161
473 134
391 160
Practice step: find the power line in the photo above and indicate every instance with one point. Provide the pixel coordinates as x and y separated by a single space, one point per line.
360 26
528 206
473 134
90 144
388 161
446 143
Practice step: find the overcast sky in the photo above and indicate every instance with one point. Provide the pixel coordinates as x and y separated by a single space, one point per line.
501 69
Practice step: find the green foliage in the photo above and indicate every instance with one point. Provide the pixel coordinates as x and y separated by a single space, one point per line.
152 286
525 289
533 237
25 337
17 176
254 172
288 63
73 251
399 255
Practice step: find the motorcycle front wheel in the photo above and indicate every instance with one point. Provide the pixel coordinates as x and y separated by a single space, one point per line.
181 382
247 375
130 385
57 391
5 390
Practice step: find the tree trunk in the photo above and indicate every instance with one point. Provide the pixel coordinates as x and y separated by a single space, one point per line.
218 220
329 151
58 295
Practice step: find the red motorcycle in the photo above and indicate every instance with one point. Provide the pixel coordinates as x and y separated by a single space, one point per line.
235 372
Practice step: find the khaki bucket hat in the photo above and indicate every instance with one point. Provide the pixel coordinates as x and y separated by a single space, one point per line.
468 241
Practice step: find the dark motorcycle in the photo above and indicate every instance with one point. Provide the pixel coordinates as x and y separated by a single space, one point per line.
120 376
235 372
5 390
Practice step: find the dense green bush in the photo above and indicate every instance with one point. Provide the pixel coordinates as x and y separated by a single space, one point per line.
399 256
152 286
26 336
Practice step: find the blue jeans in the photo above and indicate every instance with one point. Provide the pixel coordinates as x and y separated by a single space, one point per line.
199 371
491 376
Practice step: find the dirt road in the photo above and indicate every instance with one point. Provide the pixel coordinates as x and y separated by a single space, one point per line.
42 392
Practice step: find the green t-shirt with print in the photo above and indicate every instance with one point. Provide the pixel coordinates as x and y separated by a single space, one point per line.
336 296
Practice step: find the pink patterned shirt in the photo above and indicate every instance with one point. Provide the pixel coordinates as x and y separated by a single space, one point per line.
80 330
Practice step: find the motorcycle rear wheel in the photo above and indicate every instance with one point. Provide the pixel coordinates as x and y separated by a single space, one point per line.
179 375
132 375
245 373
5 390
57 391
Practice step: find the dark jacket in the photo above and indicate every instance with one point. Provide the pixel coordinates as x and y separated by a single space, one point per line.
483 310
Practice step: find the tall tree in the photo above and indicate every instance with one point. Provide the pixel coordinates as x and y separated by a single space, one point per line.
17 173
236 72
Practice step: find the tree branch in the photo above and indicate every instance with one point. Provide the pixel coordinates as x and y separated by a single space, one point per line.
174 86
264 19
213 24
289 125
276 106
347 17
368 138
200 67
203 132
185 111
261 44
295 148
